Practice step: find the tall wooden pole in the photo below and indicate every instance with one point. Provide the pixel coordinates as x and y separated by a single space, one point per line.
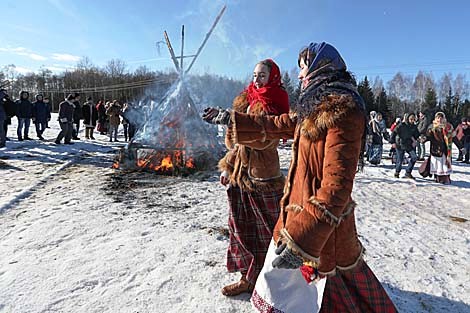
207 37
172 52
182 48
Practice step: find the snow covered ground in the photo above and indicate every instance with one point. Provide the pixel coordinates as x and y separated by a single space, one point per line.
78 236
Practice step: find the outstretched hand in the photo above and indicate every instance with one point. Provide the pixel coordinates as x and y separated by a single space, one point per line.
216 116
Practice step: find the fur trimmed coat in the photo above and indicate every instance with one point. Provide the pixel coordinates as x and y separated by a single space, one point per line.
317 212
254 164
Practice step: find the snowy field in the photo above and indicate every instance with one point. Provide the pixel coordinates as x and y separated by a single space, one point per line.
78 236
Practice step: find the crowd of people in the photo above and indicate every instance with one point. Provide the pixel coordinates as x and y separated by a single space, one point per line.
408 138
105 116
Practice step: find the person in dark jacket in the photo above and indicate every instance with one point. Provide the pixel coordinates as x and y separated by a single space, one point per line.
24 113
5 104
47 101
466 140
422 128
404 139
90 116
41 114
77 116
102 128
458 138
66 109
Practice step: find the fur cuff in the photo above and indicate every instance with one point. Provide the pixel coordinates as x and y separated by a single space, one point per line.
328 216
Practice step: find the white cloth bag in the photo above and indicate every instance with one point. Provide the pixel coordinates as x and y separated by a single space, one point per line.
281 290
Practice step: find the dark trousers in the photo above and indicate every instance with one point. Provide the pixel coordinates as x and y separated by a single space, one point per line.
75 129
40 127
23 123
459 145
126 131
400 156
2 135
66 131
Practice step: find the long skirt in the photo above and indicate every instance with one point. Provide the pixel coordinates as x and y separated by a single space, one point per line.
285 291
356 291
251 221
375 154
439 168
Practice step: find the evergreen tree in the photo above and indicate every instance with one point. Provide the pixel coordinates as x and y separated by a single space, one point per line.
448 104
366 93
430 100
383 105
290 89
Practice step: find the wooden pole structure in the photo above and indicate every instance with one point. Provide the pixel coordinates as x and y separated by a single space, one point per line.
182 48
205 39
172 52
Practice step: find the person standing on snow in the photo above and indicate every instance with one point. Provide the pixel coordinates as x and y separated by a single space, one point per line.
90 116
440 135
404 139
66 109
41 115
251 171
316 228
24 113
114 111
77 116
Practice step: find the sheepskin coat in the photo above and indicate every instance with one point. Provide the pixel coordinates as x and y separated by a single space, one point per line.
317 212
253 165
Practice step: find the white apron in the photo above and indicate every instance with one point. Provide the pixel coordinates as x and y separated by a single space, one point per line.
285 291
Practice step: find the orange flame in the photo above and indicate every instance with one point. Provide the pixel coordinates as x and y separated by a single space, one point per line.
165 165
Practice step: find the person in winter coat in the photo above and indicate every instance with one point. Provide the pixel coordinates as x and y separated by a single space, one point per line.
404 139
113 112
66 109
90 116
466 140
458 138
422 128
440 135
24 113
47 101
100 107
125 122
6 106
254 181
377 128
315 234
77 116
41 115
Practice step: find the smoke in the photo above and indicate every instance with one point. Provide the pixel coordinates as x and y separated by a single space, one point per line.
172 123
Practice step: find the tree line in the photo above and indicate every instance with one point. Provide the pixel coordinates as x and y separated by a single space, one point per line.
400 95
115 82
404 94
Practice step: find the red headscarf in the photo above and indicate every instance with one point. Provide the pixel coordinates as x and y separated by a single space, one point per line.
272 96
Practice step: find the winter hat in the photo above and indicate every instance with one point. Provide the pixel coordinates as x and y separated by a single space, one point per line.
464 120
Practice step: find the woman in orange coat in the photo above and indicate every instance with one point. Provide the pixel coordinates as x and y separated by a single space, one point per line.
254 181
316 226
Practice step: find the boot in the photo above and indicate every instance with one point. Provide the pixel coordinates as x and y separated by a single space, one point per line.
237 288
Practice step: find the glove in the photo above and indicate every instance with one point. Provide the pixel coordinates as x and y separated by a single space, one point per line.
286 259
216 116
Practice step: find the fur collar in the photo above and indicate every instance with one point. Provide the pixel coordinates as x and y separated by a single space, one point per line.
327 114
240 104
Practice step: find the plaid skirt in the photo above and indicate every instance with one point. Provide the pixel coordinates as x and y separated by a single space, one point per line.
356 291
252 217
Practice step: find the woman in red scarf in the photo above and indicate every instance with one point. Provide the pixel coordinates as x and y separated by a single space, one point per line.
254 181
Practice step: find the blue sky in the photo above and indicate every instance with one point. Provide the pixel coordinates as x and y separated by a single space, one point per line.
375 37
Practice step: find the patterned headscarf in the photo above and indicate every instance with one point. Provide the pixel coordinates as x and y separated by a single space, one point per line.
326 75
